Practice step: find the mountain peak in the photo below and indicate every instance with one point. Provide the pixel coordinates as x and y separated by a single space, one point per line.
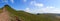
6 5
6 8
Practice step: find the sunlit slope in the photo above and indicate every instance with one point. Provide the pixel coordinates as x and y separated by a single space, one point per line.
25 16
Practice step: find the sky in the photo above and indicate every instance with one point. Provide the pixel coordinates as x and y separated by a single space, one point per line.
34 6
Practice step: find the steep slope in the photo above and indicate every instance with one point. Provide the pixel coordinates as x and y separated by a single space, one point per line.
6 13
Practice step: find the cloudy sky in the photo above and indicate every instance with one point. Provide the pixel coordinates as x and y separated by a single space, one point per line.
34 6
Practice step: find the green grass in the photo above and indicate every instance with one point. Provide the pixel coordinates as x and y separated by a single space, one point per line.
0 10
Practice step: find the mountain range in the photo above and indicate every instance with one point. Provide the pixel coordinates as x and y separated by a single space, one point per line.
9 14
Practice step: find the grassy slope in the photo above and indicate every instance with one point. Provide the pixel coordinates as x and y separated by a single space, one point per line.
28 16
0 10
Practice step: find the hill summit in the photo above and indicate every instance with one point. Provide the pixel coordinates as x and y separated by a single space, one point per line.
6 12
4 15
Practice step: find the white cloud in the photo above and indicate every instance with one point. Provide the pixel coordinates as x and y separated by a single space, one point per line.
32 2
12 1
25 0
36 4
39 4
39 8
27 9
49 9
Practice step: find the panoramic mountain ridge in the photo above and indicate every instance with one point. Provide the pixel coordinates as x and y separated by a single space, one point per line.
12 15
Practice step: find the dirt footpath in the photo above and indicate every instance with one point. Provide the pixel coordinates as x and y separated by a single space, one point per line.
4 16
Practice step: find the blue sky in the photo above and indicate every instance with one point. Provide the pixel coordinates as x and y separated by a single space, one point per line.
34 6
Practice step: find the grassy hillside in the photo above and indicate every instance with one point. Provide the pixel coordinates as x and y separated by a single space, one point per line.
0 10
25 16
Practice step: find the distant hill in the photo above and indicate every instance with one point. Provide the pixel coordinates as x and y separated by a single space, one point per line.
25 16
